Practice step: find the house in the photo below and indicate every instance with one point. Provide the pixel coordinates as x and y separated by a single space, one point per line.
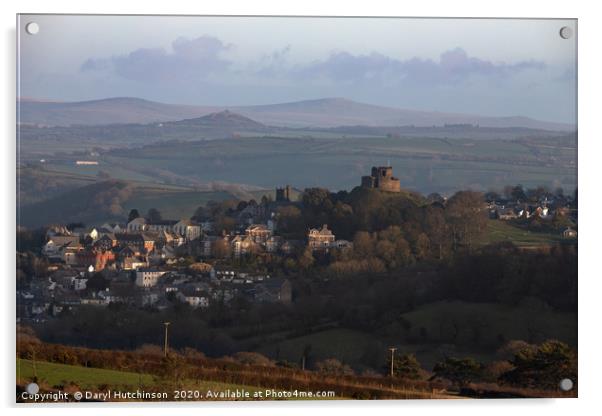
79 283
568 232
131 258
148 298
259 233
505 214
106 241
157 226
187 229
70 255
274 290
136 225
159 255
56 243
112 227
206 245
140 240
242 245
97 258
273 244
342 244
57 230
146 277
196 299
320 239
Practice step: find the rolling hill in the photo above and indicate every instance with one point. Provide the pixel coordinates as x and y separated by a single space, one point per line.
112 200
325 112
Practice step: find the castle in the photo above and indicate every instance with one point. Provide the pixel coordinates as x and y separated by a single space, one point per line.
382 178
283 194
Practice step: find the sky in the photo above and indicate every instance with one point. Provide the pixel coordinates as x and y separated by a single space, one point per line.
495 67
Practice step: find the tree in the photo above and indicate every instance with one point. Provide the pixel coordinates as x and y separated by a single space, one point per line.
543 366
467 217
289 219
363 245
97 283
253 358
221 248
317 199
422 246
436 229
435 197
334 367
306 260
153 215
404 366
133 214
518 194
460 371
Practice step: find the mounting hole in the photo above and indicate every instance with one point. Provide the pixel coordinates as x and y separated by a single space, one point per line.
32 28
566 384
32 388
566 32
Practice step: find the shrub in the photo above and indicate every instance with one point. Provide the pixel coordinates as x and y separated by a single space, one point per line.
332 366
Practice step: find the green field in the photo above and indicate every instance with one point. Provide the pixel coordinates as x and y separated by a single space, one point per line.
488 324
452 328
499 231
424 164
344 344
53 374
174 205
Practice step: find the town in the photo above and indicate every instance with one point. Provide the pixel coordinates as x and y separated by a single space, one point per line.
152 262
147 263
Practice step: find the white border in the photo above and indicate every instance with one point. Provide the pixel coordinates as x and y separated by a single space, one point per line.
590 96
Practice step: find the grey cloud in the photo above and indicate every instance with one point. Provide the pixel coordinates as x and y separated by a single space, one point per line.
196 59
189 59
454 66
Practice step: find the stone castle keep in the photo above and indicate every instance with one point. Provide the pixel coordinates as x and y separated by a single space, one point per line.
382 178
283 194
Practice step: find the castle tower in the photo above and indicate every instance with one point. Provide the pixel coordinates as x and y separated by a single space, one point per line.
382 178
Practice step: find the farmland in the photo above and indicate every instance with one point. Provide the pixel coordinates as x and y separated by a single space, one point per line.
423 164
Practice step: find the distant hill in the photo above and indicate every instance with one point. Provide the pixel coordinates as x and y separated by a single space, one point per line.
120 110
326 112
222 119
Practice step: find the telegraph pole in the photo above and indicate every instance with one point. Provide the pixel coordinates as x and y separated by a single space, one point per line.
392 349
165 340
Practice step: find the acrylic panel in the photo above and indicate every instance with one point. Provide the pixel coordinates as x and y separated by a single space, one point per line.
292 208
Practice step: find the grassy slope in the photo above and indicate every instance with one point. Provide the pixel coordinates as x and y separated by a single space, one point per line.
493 320
512 322
344 344
81 204
499 231
54 374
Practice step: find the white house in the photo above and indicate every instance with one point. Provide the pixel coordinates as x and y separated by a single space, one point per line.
79 283
187 229
148 277
137 224
194 300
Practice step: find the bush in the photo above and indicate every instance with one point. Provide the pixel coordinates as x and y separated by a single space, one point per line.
460 371
334 367
543 367
253 358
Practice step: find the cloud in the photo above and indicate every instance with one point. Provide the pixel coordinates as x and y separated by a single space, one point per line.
197 59
189 59
454 66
